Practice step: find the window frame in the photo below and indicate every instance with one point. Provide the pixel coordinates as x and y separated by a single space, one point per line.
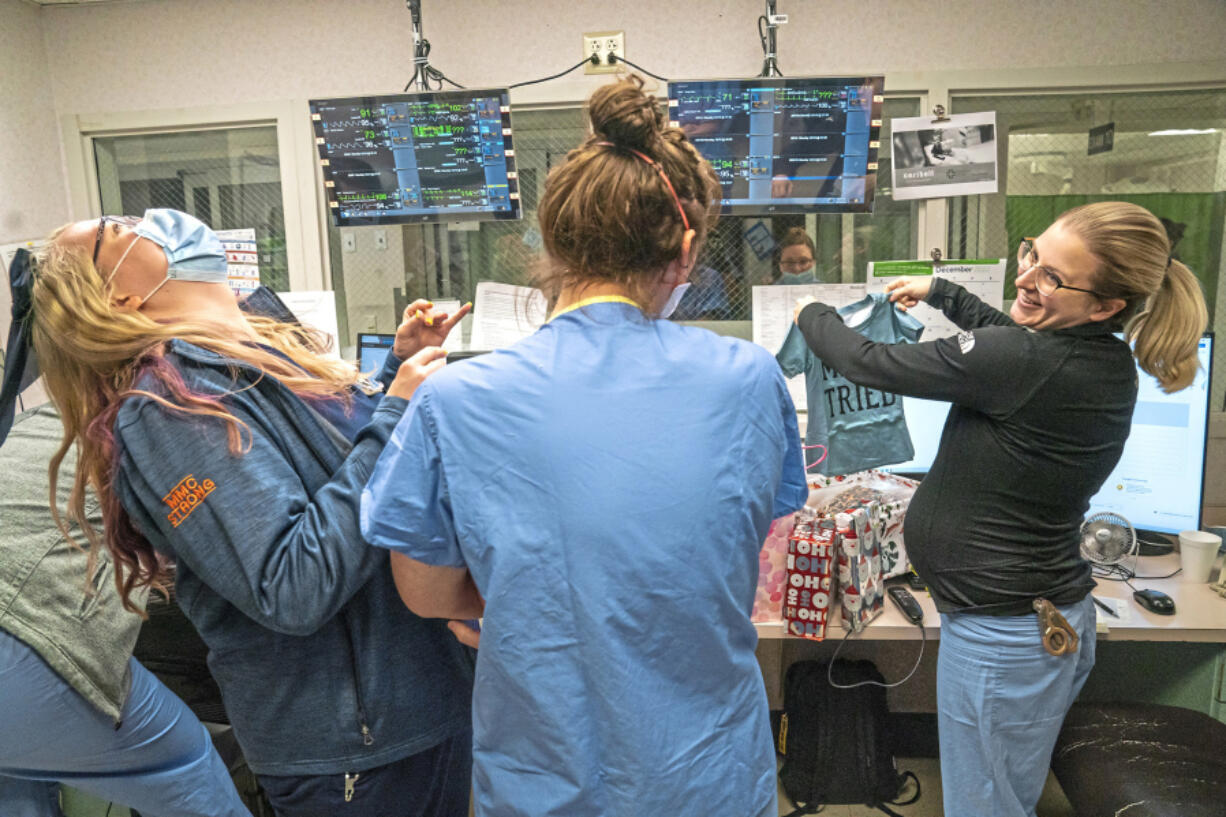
300 192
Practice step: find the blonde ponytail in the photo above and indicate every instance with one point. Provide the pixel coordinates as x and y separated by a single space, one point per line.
1165 311
1165 334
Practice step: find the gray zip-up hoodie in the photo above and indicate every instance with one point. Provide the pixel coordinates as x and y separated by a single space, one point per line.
322 668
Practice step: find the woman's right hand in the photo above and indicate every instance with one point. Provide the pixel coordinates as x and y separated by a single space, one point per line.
907 292
416 369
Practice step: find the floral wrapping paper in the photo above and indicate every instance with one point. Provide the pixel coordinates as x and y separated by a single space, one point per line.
772 571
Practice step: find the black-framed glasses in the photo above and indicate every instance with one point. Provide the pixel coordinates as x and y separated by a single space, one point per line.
1046 280
127 221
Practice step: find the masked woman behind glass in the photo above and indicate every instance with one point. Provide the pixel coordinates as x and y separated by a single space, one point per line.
797 258
233 448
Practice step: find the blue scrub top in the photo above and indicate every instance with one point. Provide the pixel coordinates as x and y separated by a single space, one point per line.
608 482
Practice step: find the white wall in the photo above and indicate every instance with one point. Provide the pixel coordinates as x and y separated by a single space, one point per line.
33 197
132 55
170 53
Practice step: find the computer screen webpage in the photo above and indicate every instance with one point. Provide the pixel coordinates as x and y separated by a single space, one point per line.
408 158
1159 481
372 351
790 145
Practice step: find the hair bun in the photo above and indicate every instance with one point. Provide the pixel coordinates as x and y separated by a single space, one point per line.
622 113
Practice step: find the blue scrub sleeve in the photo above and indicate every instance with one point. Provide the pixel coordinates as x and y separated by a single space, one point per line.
793 353
406 506
793 492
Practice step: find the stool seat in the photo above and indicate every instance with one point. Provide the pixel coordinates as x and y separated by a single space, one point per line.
1142 760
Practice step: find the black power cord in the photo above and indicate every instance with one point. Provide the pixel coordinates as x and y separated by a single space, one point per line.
1119 573
770 64
425 73
907 677
593 60
613 58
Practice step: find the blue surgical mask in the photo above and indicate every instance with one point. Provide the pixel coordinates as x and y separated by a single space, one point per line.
798 278
193 251
674 299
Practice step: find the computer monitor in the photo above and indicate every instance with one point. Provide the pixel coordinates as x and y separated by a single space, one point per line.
372 351
411 158
794 145
1159 482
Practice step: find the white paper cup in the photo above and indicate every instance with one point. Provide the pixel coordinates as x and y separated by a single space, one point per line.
1197 552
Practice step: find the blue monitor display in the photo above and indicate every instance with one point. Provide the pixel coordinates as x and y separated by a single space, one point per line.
411 158
372 351
1158 484
794 145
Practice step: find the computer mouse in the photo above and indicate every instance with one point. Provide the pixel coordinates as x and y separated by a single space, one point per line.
1155 601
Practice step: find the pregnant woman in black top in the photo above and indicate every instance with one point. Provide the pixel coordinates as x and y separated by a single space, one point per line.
1042 403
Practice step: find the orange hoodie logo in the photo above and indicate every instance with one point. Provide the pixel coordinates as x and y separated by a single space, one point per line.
186 497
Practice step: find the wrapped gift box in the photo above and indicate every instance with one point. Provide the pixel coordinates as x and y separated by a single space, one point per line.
812 550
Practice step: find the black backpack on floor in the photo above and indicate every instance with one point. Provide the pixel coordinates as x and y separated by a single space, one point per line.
836 743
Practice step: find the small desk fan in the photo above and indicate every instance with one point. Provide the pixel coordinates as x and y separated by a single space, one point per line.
1107 539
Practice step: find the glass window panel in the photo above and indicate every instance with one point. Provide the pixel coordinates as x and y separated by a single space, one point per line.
229 178
1169 156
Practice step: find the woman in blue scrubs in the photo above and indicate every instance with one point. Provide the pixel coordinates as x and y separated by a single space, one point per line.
600 492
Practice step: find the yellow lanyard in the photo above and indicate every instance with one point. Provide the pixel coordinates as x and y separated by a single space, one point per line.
597 299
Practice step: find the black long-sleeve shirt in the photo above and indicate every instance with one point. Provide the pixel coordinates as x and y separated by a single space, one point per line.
1038 421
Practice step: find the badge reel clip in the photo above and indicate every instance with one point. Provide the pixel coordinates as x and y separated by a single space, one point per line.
1057 635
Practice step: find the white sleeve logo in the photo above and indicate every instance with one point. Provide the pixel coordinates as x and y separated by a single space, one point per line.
966 342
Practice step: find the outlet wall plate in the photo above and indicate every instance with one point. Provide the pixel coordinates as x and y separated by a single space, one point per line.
602 44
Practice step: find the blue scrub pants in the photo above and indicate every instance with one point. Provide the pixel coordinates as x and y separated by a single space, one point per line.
1001 700
160 761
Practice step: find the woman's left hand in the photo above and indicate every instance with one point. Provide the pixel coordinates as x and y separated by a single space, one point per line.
424 326
801 303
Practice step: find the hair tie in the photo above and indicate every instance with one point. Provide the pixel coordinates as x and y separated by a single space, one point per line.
685 222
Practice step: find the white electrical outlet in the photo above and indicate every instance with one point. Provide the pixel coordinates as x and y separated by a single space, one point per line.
605 45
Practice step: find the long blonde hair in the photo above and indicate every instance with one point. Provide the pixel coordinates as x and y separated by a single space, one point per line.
1165 314
91 355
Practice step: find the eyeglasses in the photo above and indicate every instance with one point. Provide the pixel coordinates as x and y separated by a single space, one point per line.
803 263
1046 280
127 221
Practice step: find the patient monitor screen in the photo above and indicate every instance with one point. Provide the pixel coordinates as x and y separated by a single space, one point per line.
794 145
411 158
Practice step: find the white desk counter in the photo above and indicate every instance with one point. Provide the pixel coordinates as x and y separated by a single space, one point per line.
1190 645
1200 613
